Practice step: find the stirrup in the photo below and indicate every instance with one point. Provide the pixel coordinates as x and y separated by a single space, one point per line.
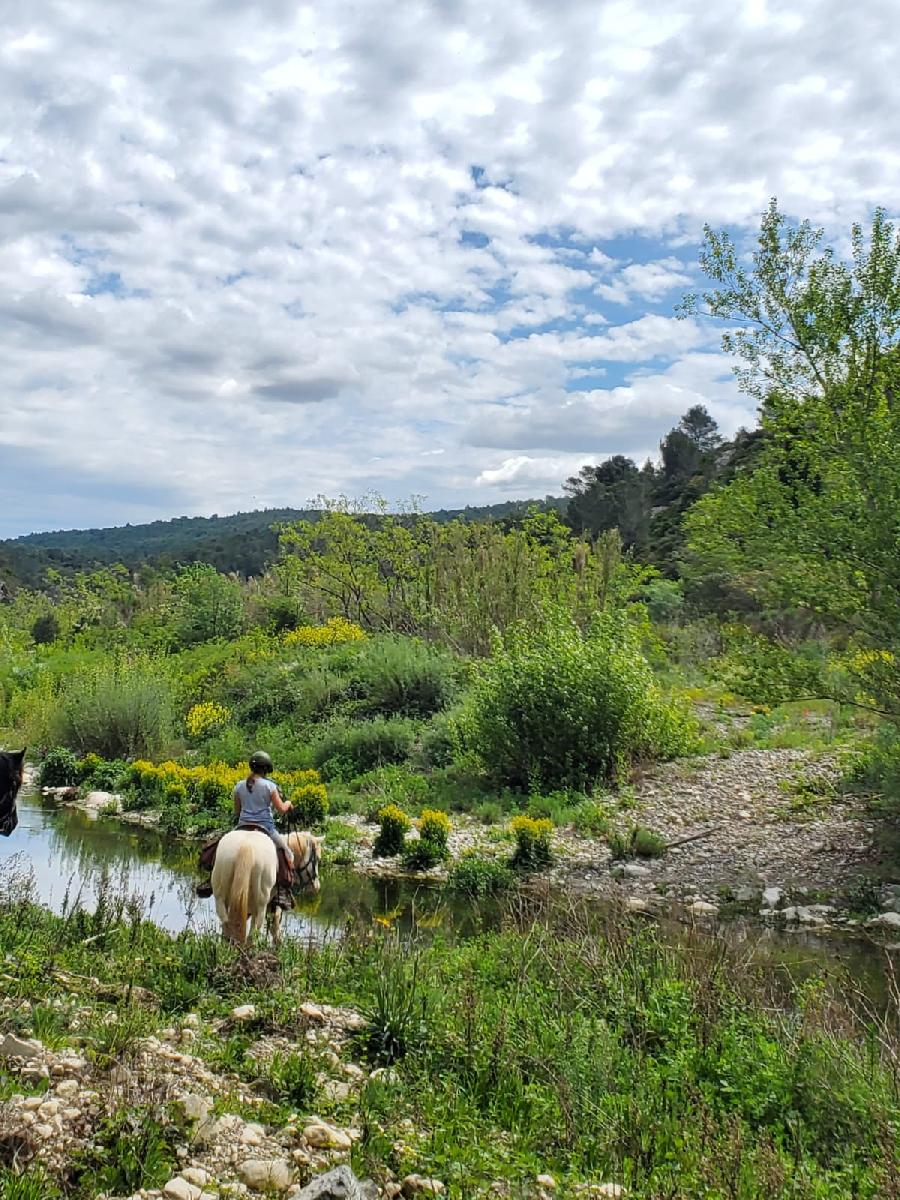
204 890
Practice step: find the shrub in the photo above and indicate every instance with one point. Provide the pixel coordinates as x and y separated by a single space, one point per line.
131 1149
45 629
346 750
391 784
431 847
638 842
392 834
206 718
592 819
554 708
118 709
310 802
477 877
59 768
332 633
439 743
102 775
403 676
532 842
291 1079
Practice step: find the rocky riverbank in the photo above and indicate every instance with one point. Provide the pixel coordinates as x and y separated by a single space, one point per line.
761 832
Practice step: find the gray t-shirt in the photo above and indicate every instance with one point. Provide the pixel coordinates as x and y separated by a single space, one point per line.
256 806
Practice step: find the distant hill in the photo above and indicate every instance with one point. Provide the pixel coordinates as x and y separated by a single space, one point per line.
244 542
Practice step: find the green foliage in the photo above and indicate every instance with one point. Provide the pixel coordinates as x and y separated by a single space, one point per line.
477 877
638 842
430 848
345 750
208 605
118 709
876 772
394 825
403 676
33 1184
396 1012
592 818
131 1149
291 1078
390 785
559 708
533 849
59 768
310 804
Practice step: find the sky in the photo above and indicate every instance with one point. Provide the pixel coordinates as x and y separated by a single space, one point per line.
251 253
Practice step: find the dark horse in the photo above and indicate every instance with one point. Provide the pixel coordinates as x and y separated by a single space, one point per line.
10 781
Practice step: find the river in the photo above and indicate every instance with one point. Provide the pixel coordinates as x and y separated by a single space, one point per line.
72 856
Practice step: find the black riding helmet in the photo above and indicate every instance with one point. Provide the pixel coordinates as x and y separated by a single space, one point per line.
260 763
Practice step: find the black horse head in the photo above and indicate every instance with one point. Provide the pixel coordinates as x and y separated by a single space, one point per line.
11 767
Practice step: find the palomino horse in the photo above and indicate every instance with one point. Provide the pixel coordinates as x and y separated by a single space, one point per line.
11 768
244 874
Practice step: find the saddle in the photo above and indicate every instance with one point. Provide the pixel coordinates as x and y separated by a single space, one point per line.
285 876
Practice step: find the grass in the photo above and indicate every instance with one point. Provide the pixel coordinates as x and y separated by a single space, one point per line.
566 1041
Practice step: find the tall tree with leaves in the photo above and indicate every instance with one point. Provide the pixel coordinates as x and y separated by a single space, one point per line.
817 522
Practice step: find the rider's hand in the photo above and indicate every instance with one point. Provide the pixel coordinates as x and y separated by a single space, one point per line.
288 806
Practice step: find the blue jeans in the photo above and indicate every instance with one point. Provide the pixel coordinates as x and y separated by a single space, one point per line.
277 838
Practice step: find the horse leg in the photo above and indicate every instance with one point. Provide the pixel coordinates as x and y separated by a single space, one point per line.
275 925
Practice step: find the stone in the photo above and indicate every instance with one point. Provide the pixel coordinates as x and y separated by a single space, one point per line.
195 1108
418 1185
48 1109
312 1013
68 1089
261 1174
336 1091
746 895
252 1134
546 1181
613 1190
243 1012
179 1189
16 1047
43 1131
337 1184
702 908
636 871
772 897
196 1175
326 1137
887 920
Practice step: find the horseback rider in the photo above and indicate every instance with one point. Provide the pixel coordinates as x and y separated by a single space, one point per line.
254 798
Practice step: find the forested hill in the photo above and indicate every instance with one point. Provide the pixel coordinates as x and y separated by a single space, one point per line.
244 542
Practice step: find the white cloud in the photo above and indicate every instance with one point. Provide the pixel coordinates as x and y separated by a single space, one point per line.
342 238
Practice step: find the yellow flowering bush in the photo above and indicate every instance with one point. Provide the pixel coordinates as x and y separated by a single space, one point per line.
434 827
431 846
394 825
205 718
209 787
332 633
532 841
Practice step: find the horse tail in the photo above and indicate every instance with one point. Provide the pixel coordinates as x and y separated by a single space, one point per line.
239 898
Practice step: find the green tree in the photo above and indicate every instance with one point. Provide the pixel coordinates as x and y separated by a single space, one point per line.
207 605
612 495
815 521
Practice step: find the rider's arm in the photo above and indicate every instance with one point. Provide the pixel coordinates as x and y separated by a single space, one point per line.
280 806
236 801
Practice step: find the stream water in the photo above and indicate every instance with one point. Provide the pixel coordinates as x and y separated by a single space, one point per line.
73 856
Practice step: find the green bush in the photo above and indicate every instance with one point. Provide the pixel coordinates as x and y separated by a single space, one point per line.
532 836
401 676
555 708
310 804
391 836
117 709
391 784
592 819
877 771
431 846
59 768
639 842
100 774
345 750
438 743
477 877
131 1149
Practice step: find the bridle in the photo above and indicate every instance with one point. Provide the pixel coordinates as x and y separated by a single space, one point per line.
306 875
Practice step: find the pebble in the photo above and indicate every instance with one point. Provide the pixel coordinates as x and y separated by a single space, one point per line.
326 1137
252 1134
261 1174
16 1047
419 1185
196 1175
179 1189
312 1013
243 1012
702 908
772 897
887 920
546 1181
68 1089
196 1108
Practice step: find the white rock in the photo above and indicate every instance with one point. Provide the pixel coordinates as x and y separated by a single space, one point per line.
243 1012
772 897
44 1131
196 1175
326 1137
252 1134
179 1189
312 1013
196 1108
887 920
16 1047
266 1174
636 871
68 1089
418 1185
32 1103
191 1021
48 1109
614 1190
702 908
546 1181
